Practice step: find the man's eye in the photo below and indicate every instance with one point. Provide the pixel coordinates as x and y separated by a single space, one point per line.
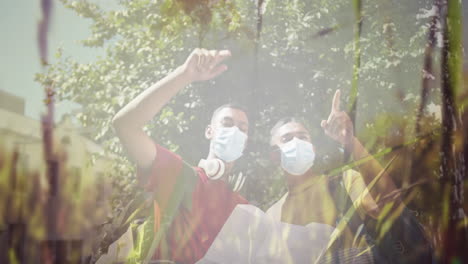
285 139
227 124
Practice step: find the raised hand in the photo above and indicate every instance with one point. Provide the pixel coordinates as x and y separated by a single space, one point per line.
202 64
338 126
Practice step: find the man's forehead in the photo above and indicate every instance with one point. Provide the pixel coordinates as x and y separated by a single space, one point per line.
291 127
235 114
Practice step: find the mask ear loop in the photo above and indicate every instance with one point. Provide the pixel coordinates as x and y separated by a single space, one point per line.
214 168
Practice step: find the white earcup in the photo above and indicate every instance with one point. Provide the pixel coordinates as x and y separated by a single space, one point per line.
214 168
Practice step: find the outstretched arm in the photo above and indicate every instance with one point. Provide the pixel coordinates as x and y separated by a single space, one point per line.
129 121
340 128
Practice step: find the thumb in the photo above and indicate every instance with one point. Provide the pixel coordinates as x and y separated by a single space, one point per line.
323 123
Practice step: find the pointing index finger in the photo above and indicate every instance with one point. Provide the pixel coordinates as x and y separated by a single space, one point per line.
336 102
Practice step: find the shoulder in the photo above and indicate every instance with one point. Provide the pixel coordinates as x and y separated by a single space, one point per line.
351 178
359 194
351 174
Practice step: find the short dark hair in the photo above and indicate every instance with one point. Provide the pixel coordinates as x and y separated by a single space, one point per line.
283 121
228 105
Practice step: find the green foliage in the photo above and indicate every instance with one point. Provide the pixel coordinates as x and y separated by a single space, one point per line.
32 211
142 241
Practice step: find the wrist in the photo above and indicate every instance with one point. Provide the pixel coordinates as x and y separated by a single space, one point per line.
350 143
182 74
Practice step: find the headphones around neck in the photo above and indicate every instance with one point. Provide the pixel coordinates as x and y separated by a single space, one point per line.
214 168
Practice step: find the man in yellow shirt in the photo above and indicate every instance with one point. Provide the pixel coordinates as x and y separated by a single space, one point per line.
312 198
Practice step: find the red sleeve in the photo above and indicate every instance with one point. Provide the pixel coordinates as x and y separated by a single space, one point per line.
162 176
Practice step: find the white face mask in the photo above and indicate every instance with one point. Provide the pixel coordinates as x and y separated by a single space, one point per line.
297 156
228 143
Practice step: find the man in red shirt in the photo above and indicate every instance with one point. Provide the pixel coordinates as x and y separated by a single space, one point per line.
196 200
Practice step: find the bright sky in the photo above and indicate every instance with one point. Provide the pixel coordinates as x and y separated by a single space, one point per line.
19 54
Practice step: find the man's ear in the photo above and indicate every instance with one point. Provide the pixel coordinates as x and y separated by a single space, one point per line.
209 132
